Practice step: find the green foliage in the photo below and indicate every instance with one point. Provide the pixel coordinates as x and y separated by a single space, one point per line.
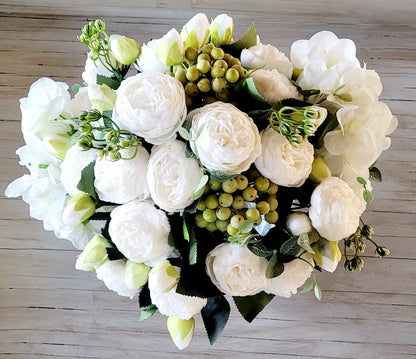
215 315
303 241
219 176
375 174
290 247
86 183
251 306
274 268
252 90
259 249
249 39
110 82
148 312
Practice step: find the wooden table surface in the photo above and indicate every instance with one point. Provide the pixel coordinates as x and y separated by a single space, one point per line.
48 309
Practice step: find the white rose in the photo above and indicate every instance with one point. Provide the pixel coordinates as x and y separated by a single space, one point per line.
335 209
148 61
76 159
268 56
283 163
140 232
172 177
94 68
123 180
298 223
151 105
112 274
229 141
45 102
235 270
274 86
294 275
171 303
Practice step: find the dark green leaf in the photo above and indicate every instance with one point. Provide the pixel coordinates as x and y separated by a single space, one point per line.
307 287
170 240
375 174
104 80
86 183
249 39
274 268
144 297
324 248
185 231
114 254
100 216
219 176
259 249
251 306
189 153
148 312
330 123
290 247
215 315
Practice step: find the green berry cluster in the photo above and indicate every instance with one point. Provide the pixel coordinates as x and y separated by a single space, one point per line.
207 75
226 205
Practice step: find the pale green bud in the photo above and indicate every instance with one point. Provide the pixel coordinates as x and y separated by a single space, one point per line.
78 209
136 274
171 50
163 277
102 97
222 29
57 144
94 254
320 170
181 331
196 31
327 254
124 49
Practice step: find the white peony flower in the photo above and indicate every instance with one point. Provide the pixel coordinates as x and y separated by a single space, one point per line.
195 33
224 138
274 86
94 68
76 159
268 56
298 223
294 275
283 163
148 61
112 274
151 105
335 209
172 177
123 180
235 270
140 232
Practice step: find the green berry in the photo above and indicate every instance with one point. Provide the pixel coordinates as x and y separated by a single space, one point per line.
218 85
204 85
200 221
201 205
250 194
205 57
232 231
211 201
193 74
263 207
191 53
271 217
180 74
217 53
233 61
253 174
232 75
236 220
229 186
242 182
223 96
214 185
225 199
206 49
217 71
191 89
238 202
188 101
252 214
261 183
258 221
223 213
221 225
203 66
272 201
212 227
209 215
272 188
209 99
221 63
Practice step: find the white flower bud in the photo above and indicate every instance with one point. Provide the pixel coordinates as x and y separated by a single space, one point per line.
298 223
136 274
79 208
320 170
196 31
181 331
57 144
222 29
171 50
163 277
327 254
124 49
94 254
102 97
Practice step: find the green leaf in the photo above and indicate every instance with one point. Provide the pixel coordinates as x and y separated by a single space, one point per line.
330 123
104 80
251 306
219 176
189 153
324 248
317 291
252 90
368 196
192 249
307 287
259 249
201 187
361 181
303 241
100 216
148 312
184 133
199 131
274 268
215 315
246 226
75 88
290 247
249 39
86 183
185 230
375 174
171 242
346 97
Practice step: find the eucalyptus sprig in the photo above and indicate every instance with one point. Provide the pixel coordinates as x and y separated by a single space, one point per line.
98 130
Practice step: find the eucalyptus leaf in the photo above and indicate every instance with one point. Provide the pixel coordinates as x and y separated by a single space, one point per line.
303 241
86 183
290 247
368 196
274 268
250 306
307 287
259 249
317 291
361 181
246 226
184 133
219 176
215 315
148 312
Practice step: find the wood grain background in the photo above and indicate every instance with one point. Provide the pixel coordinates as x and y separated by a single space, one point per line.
49 310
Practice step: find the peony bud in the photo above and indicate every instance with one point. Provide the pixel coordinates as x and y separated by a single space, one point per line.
57 144
320 170
163 277
171 50
102 97
222 29
196 31
124 49
94 254
327 254
298 223
181 331
78 209
136 274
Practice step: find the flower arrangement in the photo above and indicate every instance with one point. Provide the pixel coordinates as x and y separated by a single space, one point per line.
220 169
